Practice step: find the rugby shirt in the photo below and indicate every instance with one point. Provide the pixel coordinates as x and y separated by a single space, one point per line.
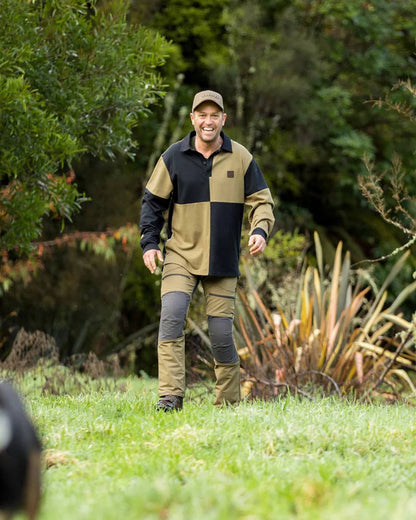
204 200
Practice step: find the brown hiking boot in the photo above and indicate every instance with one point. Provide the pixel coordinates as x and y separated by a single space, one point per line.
169 403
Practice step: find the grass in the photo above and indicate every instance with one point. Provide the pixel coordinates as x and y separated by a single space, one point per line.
111 456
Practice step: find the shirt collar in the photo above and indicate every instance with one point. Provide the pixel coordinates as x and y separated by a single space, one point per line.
187 142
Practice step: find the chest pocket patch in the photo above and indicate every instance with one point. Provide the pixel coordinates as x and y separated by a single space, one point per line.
227 186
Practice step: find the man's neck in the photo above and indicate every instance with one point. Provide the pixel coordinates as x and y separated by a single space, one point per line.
207 149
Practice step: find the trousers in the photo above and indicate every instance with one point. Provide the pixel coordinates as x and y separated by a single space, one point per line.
177 288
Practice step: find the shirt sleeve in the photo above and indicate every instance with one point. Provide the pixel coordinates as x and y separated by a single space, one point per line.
257 195
155 202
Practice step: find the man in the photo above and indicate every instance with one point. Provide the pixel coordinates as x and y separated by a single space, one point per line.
203 183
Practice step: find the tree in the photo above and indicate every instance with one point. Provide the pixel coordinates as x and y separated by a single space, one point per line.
73 80
298 77
392 191
197 27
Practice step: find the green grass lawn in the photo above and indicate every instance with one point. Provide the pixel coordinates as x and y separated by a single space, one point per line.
111 456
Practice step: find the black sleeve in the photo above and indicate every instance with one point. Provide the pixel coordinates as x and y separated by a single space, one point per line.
152 220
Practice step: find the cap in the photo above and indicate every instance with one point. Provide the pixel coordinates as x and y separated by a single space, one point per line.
207 95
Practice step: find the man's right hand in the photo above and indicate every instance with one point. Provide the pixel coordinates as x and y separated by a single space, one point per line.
149 259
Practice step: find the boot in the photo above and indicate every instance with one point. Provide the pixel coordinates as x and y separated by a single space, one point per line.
227 386
169 403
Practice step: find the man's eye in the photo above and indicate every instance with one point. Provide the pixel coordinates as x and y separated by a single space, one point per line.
213 116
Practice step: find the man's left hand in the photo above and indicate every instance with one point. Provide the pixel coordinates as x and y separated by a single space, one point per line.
257 245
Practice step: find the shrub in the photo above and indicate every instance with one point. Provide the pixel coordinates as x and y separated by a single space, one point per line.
342 335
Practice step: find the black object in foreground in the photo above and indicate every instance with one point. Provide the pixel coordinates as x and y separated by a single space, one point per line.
20 457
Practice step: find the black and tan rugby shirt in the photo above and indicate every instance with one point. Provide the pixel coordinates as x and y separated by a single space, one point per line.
205 199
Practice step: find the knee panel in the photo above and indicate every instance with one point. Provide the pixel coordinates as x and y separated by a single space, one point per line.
172 319
221 336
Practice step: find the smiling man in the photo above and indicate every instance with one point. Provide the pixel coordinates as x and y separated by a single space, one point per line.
203 183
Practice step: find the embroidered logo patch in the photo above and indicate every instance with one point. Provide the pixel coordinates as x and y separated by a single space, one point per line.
230 174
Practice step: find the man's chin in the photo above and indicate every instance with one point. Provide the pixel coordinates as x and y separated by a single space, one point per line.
209 139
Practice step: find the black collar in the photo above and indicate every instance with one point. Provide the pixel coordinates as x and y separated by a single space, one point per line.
186 145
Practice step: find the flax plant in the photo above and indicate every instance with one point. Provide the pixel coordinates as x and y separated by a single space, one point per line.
343 337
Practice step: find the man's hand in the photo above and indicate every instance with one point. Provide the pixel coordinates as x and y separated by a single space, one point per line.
257 245
149 259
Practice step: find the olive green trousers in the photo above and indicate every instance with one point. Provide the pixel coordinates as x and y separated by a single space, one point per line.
177 288
227 386
171 359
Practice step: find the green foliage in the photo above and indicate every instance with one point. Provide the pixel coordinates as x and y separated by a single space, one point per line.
72 80
276 271
297 78
195 26
86 279
392 192
283 248
31 147
27 150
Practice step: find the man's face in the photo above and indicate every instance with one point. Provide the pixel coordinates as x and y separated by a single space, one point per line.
208 120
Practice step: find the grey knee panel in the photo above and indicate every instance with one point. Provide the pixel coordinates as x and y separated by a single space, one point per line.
172 319
221 336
